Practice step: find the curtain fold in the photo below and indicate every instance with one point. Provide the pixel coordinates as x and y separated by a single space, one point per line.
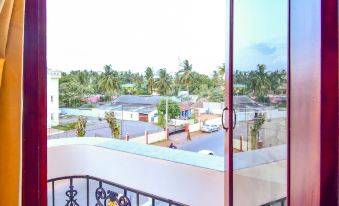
11 61
6 9
1 4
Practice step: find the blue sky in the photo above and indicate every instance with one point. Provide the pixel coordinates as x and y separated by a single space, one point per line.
260 34
134 34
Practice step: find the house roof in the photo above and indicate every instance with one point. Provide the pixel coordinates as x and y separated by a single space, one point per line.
141 99
183 106
128 85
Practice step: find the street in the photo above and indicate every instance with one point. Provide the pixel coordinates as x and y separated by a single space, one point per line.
273 133
212 141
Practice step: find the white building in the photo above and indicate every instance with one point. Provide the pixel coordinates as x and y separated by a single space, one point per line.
53 97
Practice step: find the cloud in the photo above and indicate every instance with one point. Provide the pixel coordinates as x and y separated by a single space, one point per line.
265 48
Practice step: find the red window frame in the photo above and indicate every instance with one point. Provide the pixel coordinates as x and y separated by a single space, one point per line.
34 143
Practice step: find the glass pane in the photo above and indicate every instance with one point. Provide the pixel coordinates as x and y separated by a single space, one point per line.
259 102
142 78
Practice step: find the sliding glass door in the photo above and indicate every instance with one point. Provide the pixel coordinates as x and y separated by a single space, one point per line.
259 114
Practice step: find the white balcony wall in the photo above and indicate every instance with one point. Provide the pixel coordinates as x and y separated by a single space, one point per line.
189 178
180 182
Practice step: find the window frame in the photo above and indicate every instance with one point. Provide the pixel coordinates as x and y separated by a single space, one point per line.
34 138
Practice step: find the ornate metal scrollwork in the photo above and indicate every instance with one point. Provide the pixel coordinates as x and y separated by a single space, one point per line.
106 199
71 193
100 194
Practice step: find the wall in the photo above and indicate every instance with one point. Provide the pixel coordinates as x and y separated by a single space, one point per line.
127 115
188 184
152 138
195 127
52 106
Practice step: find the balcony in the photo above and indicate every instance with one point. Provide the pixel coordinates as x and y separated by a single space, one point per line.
98 170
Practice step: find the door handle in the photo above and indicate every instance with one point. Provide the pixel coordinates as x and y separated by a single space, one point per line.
222 118
235 119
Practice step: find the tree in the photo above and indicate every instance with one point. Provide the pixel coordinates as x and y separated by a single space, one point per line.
80 127
163 82
259 82
216 95
113 124
222 70
254 130
186 74
109 81
138 79
150 81
277 78
72 93
173 111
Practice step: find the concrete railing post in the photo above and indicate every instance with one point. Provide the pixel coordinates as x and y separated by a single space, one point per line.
241 137
146 136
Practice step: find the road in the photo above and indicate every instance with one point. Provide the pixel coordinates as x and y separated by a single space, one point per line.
213 141
273 133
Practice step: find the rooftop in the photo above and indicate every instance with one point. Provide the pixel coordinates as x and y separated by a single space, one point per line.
141 99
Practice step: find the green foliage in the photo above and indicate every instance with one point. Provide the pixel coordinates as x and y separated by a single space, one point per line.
109 81
76 86
113 124
258 123
216 95
81 126
66 127
88 105
163 82
72 94
173 111
186 74
259 82
150 80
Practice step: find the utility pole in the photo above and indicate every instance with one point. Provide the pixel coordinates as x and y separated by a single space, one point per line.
121 119
246 129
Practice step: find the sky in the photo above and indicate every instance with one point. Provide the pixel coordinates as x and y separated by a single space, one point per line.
135 34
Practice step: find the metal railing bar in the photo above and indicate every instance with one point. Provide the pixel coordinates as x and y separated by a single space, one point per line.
138 201
125 188
87 185
53 194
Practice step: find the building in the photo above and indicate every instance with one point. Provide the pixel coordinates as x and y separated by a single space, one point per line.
185 111
53 97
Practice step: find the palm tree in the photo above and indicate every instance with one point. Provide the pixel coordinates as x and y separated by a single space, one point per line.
109 81
186 74
277 79
222 70
83 77
137 78
163 82
149 76
259 81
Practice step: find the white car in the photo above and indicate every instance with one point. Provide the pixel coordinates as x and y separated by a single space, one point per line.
209 128
206 152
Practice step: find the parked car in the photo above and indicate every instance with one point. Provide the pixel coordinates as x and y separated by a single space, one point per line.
209 128
206 152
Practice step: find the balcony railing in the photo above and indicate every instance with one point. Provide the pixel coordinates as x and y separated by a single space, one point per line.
101 192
